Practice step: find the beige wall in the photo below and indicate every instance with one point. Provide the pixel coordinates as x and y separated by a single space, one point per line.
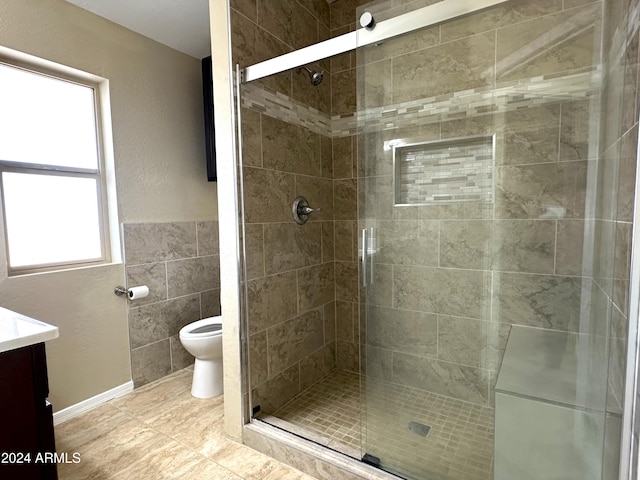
158 147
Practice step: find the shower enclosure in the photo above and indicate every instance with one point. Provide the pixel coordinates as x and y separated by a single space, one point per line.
457 308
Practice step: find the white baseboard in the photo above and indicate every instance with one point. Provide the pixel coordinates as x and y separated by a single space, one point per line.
91 403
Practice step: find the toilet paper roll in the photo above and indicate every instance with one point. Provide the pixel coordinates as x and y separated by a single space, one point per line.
135 293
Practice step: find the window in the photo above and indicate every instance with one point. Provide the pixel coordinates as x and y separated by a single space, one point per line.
50 171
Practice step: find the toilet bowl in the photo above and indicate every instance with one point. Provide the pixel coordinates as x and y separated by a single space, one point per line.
203 340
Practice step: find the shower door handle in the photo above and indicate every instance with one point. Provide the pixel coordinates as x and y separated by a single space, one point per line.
371 249
364 258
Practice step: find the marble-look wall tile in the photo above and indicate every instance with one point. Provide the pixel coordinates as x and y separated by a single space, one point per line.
208 238
607 186
150 362
151 323
268 195
344 61
248 8
258 358
158 242
326 156
315 96
254 244
343 98
344 200
408 242
531 135
497 335
251 138
524 245
329 316
575 131
397 46
449 379
316 286
630 84
543 301
343 12
252 44
288 246
348 356
346 274
617 362
272 300
518 56
461 293
379 363
320 9
375 200
210 303
345 240
466 244
290 148
289 21
604 238
622 266
319 193
328 242
277 391
403 331
512 12
461 340
529 191
343 157
627 175
345 321
380 291
154 276
569 247
374 85
475 343
190 284
460 65
180 358
317 365
193 275
290 341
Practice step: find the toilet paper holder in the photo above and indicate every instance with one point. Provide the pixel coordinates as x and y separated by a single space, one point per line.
131 293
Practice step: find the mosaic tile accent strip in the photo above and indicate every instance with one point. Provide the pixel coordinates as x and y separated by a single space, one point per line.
450 171
458 446
508 96
471 103
277 105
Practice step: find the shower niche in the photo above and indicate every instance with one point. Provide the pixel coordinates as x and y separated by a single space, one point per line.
446 171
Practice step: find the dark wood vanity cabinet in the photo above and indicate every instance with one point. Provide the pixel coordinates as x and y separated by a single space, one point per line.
27 444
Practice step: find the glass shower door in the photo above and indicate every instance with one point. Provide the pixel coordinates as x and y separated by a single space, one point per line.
484 326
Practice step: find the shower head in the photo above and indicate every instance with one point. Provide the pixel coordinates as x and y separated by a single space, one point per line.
315 77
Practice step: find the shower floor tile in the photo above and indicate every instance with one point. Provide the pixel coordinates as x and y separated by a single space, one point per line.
458 445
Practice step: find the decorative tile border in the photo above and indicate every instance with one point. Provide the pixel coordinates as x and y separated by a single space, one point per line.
464 104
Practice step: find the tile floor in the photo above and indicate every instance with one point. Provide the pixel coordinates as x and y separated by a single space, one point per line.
459 445
161 432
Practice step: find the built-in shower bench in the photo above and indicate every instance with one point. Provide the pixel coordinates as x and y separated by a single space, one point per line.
550 399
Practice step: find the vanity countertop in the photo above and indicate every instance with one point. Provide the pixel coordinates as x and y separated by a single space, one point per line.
18 330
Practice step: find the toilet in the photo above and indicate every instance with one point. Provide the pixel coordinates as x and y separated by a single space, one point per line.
203 340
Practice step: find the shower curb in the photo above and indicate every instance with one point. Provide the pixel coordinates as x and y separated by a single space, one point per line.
308 457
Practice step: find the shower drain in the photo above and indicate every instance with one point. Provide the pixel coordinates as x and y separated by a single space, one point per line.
419 428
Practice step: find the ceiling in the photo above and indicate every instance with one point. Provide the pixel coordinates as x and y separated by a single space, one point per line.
179 24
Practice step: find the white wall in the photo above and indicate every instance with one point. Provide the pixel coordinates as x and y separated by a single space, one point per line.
158 146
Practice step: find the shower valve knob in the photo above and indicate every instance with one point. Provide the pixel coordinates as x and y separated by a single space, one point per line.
301 210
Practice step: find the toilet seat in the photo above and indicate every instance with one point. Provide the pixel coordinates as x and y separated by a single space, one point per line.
207 327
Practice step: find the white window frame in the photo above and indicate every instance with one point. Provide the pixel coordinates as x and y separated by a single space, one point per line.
109 249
